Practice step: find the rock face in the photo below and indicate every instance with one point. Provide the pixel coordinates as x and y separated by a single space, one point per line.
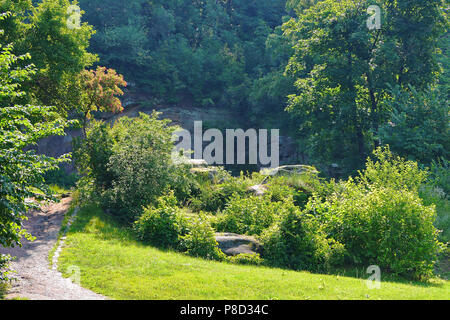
233 244
181 115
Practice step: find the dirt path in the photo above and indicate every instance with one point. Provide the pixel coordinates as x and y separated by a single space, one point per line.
35 279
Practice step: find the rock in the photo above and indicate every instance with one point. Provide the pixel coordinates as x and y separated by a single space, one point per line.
233 244
258 190
197 163
289 170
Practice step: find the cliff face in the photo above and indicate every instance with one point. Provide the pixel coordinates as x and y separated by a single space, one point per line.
181 115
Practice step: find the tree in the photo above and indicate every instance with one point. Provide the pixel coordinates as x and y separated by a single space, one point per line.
98 91
344 70
418 126
58 52
21 172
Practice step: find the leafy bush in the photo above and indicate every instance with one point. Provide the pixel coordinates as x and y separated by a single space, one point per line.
432 195
200 240
280 192
440 175
387 227
130 164
4 273
246 258
380 218
298 242
390 171
162 224
60 178
92 154
250 215
214 197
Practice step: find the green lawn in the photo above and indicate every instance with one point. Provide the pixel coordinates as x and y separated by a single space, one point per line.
115 265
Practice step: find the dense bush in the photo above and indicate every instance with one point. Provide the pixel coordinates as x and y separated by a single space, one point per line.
390 171
433 195
280 189
299 243
380 218
130 164
161 224
250 215
214 197
384 226
440 175
200 240
246 258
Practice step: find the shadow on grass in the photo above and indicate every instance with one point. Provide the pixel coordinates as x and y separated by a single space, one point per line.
91 219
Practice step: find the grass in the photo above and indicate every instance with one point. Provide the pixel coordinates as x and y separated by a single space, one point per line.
115 265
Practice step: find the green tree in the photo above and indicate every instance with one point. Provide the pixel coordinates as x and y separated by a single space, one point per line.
418 126
58 52
21 172
344 70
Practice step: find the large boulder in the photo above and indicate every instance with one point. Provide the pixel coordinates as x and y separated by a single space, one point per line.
233 244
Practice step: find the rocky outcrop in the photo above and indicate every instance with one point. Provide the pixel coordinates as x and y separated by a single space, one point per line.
181 115
233 244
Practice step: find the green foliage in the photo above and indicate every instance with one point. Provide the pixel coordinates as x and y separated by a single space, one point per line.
4 273
130 163
59 53
214 197
200 240
284 188
418 127
390 171
440 175
432 195
246 259
161 224
61 178
21 169
344 71
250 215
92 154
299 242
380 218
206 53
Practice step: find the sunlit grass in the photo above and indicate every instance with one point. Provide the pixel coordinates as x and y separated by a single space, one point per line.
115 265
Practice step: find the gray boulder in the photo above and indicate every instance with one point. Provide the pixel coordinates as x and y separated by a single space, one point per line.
233 244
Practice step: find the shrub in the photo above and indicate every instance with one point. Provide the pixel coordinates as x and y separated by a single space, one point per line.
200 240
250 215
278 192
387 227
432 195
92 154
162 224
214 197
440 175
4 273
390 171
298 242
246 258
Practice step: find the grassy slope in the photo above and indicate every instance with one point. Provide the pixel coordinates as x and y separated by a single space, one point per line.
114 265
